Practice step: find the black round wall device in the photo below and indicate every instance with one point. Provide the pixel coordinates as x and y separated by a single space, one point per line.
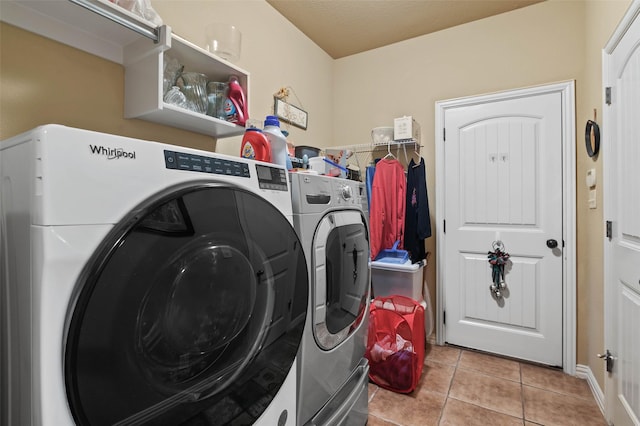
592 145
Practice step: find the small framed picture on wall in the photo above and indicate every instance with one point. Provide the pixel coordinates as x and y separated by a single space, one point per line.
290 114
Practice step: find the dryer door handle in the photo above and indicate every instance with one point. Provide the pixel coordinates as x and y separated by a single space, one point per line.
318 198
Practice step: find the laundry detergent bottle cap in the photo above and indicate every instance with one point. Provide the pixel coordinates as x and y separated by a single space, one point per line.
278 142
235 106
255 145
272 120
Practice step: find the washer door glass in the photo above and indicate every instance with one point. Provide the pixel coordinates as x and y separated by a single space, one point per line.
341 244
190 313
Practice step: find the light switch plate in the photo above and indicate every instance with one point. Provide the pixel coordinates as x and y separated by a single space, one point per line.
591 178
592 199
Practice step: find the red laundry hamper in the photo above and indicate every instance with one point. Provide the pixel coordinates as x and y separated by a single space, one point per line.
396 342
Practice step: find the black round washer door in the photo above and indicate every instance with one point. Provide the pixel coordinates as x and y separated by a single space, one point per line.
191 312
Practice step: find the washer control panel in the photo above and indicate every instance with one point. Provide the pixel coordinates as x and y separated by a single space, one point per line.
271 177
200 163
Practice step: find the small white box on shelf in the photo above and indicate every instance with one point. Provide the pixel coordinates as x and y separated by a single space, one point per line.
404 279
406 128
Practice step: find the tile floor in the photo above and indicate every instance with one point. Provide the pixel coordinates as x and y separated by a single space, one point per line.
465 388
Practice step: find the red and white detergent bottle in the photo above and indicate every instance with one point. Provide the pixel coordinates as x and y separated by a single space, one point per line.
255 145
235 106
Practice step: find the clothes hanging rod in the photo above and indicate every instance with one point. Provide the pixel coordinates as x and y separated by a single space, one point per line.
121 18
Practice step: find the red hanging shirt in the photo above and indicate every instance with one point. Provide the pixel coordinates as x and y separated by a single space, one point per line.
388 198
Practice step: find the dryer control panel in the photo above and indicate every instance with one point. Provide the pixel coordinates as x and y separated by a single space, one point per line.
347 192
318 192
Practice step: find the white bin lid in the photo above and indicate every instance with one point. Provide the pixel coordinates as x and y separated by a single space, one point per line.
402 267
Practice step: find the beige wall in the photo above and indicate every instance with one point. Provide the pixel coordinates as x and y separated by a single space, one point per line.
42 81
548 42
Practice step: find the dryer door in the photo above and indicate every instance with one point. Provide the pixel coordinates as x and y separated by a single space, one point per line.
342 276
191 313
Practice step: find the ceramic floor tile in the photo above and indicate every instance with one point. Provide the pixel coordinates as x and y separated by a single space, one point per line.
442 354
416 409
376 421
491 365
458 388
551 408
489 392
555 380
436 377
372 388
458 413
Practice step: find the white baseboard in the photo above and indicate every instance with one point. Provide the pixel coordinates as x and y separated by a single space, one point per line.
584 372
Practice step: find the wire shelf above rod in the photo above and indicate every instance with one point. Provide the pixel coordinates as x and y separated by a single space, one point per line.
368 147
397 143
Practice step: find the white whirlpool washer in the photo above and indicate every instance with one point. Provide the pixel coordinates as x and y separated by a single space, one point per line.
145 283
329 216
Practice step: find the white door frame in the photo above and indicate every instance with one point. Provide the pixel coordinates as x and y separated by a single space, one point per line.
631 14
567 91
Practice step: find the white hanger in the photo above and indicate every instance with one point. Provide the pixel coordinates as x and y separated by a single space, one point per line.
389 154
415 151
404 149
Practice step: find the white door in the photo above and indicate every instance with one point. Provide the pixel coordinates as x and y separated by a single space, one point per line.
621 142
503 171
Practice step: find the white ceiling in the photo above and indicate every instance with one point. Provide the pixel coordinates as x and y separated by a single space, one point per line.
346 27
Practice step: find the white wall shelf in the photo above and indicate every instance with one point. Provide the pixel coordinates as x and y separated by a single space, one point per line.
78 26
144 85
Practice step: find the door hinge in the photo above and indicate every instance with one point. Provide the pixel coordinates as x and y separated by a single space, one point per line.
444 135
607 95
609 227
444 226
444 317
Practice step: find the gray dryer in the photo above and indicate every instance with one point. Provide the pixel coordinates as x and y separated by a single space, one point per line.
330 219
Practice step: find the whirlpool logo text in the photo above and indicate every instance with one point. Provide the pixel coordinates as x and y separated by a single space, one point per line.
112 153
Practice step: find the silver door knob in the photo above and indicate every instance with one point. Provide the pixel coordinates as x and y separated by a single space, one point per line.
608 359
